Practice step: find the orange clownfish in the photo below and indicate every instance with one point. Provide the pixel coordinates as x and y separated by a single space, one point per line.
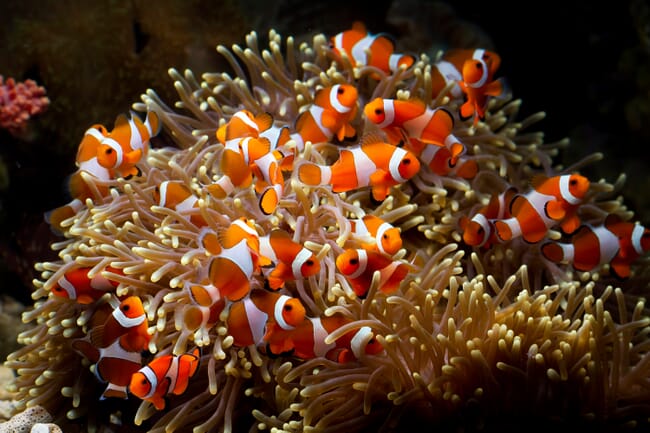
244 124
551 201
478 84
120 150
127 323
77 286
422 125
449 68
359 266
376 234
166 374
251 320
174 194
329 116
372 163
292 260
616 242
479 230
357 41
307 340
230 273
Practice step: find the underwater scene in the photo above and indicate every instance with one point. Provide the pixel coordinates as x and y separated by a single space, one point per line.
246 216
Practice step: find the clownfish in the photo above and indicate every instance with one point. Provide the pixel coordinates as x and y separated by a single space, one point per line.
126 323
166 374
440 159
376 234
329 116
423 126
372 163
307 340
356 41
478 84
120 150
174 194
616 242
359 265
75 285
449 68
251 320
551 201
114 365
292 260
230 273
270 181
479 230
244 124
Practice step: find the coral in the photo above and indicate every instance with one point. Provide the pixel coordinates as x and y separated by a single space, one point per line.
472 336
19 102
28 420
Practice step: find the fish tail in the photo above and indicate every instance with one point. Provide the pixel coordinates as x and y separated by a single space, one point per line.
153 124
204 295
558 252
467 169
55 217
507 229
314 174
270 198
112 390
222 188
466 110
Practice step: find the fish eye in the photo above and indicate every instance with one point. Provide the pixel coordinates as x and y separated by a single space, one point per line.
573 182
406 161
480 230
340 90
309 262
125 308
385 236
354 261
109 151
288 307
143 382
479 65
378 111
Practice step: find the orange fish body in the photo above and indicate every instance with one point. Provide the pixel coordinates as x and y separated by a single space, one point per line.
551 201
251 320
448 70
174 194
355 43
616 242
292 260
77 286
243 124
384 238
127 144
373 163
127 323
230 273
329 116
477 85
166 374
419 124
479 230
359 266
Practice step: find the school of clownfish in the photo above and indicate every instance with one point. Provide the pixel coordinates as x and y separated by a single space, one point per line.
256 155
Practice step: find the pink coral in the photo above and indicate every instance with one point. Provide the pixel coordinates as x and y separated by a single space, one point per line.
18 102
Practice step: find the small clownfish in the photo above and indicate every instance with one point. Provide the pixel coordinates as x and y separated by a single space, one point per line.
551 201
75 285
251 320
384 238
166 374
127 144
372 163
358 266
230 273
114 365
440 160
244 124
292 260
616 242
329 116
279 137
127 323
195 317
477 85
270 181
357 40
415 123
174 194
307 340
449 68
479 230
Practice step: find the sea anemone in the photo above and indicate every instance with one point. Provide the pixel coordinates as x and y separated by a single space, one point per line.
472 336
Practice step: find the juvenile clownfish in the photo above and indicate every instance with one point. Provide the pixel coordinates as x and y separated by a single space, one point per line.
550 201
114 365
372 163
270 181
292 261
174 194
307 340
616 242
355 42
384 238
448 70
358 266
329 116
252 318
415 123
127 144
75 285
244 124
127 323
477 85
440 160
166 374
479 230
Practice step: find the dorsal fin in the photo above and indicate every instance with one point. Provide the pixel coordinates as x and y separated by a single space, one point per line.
372 138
